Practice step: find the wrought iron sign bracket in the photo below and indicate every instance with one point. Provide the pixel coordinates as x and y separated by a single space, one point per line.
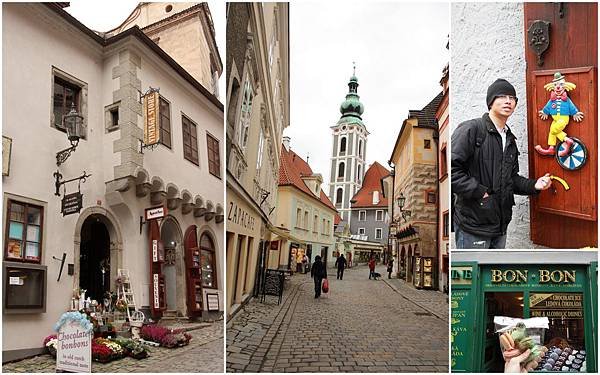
63 155
144 146
538 37
149 91
58 183
62 264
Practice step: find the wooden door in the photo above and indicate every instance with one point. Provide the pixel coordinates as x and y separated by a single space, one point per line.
193 277
561 218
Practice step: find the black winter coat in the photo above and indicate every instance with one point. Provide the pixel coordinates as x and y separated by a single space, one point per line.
318 270
480 166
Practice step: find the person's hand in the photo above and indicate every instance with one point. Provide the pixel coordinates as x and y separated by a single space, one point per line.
544 116
543 182
578 116
515 364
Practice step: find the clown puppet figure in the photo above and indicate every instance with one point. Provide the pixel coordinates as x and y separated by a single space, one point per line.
560 107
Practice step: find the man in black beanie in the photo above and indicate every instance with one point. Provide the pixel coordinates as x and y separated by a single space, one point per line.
485 173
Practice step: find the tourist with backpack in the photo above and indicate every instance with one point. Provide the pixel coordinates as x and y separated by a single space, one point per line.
485 173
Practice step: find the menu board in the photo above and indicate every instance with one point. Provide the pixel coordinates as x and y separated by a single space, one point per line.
461 303
556 305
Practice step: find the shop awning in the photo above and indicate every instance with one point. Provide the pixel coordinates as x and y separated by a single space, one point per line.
283 233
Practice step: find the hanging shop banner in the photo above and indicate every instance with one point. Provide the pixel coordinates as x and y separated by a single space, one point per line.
71 204
151 116
74 347
556 305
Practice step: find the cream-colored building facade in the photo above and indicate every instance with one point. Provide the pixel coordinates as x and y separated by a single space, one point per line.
305 215
50 59
185 31
258 111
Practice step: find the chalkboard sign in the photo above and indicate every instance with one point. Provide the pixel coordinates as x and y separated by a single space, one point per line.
71 204
273 285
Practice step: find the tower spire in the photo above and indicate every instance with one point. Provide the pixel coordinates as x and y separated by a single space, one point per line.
353 68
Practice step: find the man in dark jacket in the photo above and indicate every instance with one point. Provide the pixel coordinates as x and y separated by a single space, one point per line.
485 173
318 272
340 263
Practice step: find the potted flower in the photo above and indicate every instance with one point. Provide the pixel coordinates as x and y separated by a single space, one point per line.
50 343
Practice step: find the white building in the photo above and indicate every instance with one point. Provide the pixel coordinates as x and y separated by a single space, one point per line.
49 60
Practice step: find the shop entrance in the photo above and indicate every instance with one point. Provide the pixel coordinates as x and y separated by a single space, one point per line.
498 304
171 238
94 258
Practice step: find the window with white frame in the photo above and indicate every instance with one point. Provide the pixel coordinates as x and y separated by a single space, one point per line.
306 220
324 227
379 215
261 144
378 233
362 215
246 112
299 218
361 231
316 224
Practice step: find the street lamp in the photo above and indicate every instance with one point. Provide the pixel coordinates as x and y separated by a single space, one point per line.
73 123
401 200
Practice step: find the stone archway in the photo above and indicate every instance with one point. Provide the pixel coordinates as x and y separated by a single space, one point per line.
111 223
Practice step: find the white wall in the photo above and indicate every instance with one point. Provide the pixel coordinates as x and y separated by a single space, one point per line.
487 43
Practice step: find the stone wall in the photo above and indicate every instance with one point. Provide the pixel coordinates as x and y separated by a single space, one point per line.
486 43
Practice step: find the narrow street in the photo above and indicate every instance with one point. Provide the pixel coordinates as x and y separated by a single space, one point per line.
361 325
203 354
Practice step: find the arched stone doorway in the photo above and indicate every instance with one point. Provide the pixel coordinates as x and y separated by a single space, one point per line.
97 247
173 269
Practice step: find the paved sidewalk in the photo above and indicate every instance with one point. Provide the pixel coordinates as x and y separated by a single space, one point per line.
433 301
203 354
362 325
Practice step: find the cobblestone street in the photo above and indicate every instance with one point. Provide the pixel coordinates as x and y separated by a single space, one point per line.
203 354
361 325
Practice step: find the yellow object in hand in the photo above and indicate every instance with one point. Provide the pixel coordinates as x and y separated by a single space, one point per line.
562 182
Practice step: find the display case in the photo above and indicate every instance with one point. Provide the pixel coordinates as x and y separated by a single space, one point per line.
424 273
193 273
157 258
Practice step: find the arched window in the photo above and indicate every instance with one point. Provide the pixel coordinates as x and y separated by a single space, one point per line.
338 195
341 169
208 261
359 175
360 148
343 145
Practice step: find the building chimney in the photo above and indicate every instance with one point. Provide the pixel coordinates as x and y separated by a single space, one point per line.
286 142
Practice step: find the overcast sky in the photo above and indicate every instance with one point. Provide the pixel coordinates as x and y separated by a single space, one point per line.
106 15
400 52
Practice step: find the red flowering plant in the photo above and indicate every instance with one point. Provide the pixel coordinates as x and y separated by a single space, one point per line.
101 353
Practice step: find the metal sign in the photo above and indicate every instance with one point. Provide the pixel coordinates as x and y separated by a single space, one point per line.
212 301
71 203
155 212
151 116
155 290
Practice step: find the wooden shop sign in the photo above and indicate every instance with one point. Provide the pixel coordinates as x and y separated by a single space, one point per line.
71 204
151 116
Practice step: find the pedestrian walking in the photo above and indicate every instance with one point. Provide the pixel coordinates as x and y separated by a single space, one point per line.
371 267
340 263
485 173
318 272
304 263
299 262
390 267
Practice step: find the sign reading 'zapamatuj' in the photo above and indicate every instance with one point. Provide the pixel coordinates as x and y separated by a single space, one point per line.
151 116
74 348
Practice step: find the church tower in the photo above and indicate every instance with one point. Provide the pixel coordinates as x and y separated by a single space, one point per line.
348 151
